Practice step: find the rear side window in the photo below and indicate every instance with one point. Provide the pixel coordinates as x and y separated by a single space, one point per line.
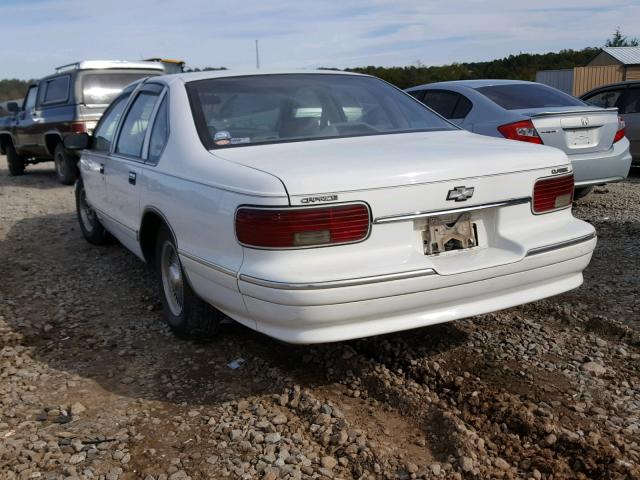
448 104
102 88
417 94
632 101
159 133
55 90
517 96
135 125
104 132
605 99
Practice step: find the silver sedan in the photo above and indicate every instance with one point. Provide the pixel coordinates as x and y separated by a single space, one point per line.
593 138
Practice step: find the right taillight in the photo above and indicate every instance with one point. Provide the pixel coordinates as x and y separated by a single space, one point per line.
300 227
523 131
552 193
621 128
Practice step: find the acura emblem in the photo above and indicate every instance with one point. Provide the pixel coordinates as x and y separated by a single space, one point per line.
584 121
460 194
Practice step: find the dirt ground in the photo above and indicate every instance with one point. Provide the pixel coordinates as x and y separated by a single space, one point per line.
93 385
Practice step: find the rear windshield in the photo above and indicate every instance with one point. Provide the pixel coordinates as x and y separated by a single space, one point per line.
101 88
517 96
236 111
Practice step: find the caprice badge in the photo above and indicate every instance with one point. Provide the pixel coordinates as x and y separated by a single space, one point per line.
324 198
460 194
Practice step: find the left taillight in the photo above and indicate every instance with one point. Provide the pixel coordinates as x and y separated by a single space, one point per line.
621 129
523 131
552 193
78 127
299 227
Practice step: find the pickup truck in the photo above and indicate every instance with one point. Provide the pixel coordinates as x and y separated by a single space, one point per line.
71 100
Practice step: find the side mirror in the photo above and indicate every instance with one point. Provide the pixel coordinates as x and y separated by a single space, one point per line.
13 107
77 141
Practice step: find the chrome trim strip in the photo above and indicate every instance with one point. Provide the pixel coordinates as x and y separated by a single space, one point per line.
556 246
349 282
433 213
206 263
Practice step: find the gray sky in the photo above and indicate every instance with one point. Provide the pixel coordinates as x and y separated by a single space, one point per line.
38 35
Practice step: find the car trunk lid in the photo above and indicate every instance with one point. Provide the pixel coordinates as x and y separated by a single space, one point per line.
575 130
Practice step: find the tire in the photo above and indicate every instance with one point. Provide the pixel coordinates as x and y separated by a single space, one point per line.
187 315
15 161
90 226
581 192
66 165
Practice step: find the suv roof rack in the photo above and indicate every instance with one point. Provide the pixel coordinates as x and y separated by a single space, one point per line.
107 64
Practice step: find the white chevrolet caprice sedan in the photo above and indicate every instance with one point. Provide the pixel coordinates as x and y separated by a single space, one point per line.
323 206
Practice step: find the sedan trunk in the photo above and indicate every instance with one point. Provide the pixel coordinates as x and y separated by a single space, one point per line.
575 130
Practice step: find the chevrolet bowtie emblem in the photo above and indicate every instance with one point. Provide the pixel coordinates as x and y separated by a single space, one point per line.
460 194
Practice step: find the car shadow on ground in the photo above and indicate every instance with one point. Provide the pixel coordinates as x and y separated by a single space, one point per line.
41 176
95 312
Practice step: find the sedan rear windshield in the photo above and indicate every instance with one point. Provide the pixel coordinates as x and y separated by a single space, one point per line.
101 88
236 111
517 96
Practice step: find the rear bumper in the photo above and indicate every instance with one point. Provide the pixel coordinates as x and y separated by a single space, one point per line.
602 167
345 309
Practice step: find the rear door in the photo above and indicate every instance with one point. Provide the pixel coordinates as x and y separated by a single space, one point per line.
631 114
123 170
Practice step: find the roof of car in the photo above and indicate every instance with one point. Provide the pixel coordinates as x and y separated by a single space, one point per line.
193 76
471 83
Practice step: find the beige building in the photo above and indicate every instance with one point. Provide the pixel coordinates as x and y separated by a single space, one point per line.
611 65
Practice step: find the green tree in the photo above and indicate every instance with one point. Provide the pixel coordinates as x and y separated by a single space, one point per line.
620 40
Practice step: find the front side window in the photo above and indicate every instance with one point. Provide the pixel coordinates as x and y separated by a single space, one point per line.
55 90
605 99
235 111
518 96
448 104
135 125
159 133
106 129
30 99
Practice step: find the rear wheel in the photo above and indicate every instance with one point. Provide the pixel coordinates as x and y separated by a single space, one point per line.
581 192
16 162
187 314
66 165
90 225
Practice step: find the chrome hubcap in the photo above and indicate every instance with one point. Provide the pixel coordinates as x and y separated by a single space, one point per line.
172 280
87 214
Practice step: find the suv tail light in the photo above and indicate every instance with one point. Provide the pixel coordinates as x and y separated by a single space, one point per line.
302 227
78 127
523 131
552 193
621 129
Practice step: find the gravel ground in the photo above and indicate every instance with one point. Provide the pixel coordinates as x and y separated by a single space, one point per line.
93 385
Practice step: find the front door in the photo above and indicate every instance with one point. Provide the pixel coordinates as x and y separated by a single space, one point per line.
93 161
123 170
28 126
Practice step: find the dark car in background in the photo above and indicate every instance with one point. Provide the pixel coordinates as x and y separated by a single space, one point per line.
71 100
625 97
592 137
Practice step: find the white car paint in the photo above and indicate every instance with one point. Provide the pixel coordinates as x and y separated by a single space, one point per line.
382 284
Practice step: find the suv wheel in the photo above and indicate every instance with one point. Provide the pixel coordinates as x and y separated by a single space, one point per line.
66 165
91 228
15 161
187 314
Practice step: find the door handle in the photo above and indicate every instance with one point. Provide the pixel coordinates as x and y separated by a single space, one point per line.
132 178
102 168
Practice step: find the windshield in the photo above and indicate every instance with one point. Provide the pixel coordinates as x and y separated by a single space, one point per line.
102 88
235 111
517 96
